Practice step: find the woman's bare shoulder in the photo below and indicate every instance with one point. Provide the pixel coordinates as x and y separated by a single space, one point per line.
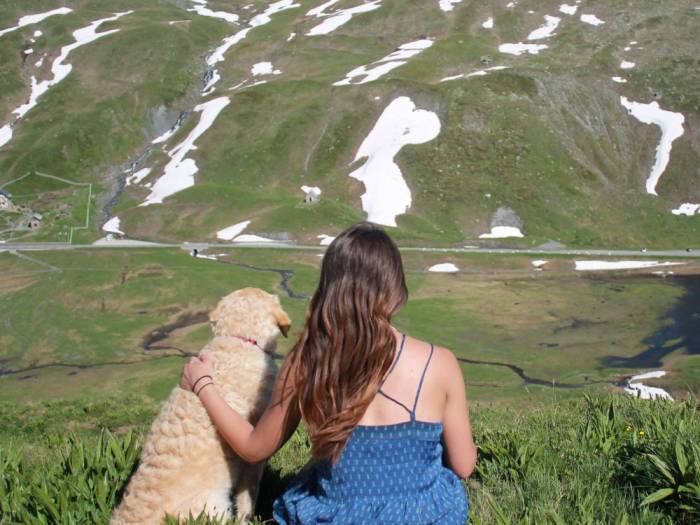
443 358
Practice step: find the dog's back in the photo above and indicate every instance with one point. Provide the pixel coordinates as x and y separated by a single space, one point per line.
185 466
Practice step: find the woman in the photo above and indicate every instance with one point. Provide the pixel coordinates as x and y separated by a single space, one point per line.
387 413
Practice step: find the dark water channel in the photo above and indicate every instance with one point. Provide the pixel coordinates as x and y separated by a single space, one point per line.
682 331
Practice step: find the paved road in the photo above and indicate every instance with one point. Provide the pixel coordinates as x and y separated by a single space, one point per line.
129 244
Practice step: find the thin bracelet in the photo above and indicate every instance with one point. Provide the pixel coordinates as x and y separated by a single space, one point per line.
198 380
205 386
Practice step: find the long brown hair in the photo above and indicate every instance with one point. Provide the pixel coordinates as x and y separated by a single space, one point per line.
347 345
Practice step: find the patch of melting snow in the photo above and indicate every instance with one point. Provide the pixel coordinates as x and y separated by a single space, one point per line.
443 268
227 43
40 62
478 73
592 266
137 176
488 23
27 20
448 5
179 172
338 18
520 48
264 68
382 66
325 239
642 391
201 9
592 20
538 264
502 232
568 9
626 65
291 37
671 125
229 233
82 36
112 226
28 51
311 191
387 194
547 30
252 238
619 80
687 209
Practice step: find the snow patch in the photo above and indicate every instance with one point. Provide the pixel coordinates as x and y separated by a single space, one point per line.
687 209
592 266
311 191
264 68
568 9
547 30
477 73
488 23
35 19
138 176
671 125
619 80
592 20
443 268
179 172
539 264
520 48
82 36
339 17
387 194
626 65
502 232
448 5
647 392
382 66
112 226
202 9
325 239
229 233
252 238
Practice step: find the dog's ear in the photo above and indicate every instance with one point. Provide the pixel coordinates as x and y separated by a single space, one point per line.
282 319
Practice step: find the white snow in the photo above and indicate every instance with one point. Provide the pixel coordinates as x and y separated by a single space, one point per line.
539 263
626 65
687 209
671 125
229 233
291 37
619 80
37 33
325 239
448 5
264 68
252 238
339 17
35 19
647 392
477 73
619 265
591 19
520 48
165 136
227 43
179 172
443 268
488 23
202 9
387 194
28 51
82 36
502 232
40 62
112 226
313 191
547 30
568 9
137 176
382 66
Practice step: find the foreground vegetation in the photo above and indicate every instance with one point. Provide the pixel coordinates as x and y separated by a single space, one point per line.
606 459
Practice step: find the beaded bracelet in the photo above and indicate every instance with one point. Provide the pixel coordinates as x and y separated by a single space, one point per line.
198 380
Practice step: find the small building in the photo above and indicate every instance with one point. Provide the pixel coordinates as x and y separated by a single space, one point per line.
35 221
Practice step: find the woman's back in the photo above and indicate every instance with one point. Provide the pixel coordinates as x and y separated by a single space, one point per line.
391 469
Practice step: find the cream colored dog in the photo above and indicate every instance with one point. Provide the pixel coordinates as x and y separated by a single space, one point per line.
185 466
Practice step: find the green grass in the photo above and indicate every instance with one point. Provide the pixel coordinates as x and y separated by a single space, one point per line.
605 459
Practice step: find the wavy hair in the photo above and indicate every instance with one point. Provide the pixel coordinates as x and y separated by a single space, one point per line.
347 344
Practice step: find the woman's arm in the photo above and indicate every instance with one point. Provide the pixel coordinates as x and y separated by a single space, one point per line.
457 430
252 443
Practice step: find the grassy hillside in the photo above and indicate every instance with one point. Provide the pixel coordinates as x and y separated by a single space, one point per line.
595 460
547 136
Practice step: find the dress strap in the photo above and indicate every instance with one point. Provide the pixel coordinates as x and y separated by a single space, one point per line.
420 385
398 355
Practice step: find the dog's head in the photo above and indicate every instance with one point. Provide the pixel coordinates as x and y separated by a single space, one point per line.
250 313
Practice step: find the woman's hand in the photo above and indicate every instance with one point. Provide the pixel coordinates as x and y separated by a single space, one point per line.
195 369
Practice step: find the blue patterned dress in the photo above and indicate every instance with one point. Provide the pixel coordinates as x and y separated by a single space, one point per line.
387 474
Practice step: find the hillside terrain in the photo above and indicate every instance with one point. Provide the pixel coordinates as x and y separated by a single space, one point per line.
177 119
